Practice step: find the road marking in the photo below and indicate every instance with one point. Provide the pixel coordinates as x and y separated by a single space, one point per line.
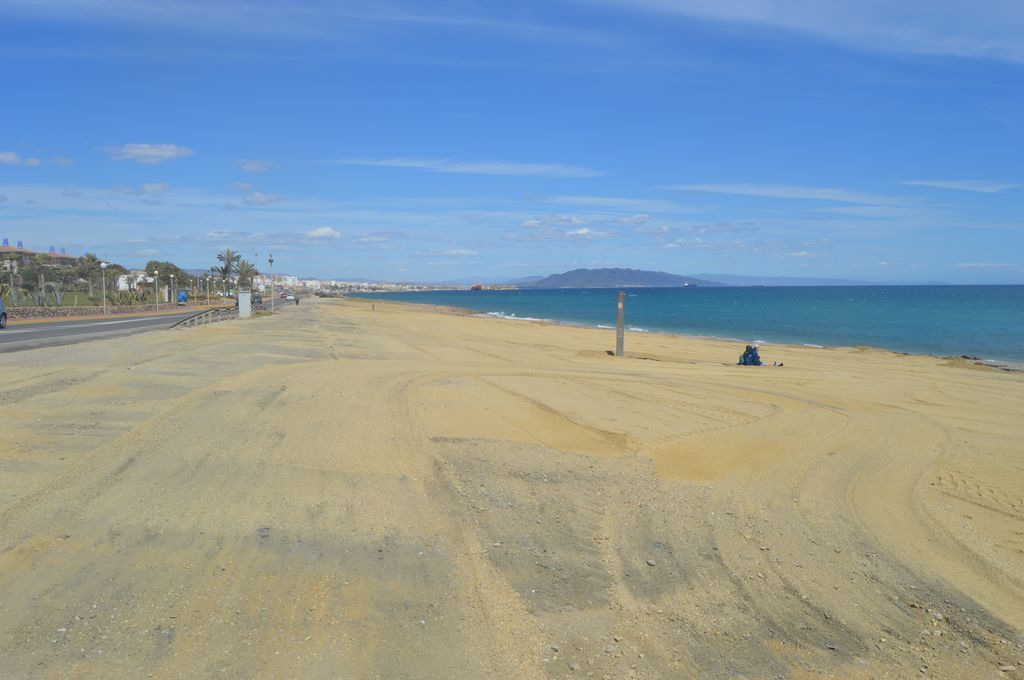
86 325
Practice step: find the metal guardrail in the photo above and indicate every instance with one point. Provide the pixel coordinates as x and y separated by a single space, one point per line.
207 316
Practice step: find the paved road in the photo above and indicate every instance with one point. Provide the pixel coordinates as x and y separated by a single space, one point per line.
19 336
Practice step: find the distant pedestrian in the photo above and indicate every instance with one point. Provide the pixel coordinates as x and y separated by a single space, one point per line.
296 302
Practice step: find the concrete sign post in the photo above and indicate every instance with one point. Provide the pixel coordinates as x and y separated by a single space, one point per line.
244 305
620 329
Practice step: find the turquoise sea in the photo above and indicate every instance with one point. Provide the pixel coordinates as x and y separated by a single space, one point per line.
982 321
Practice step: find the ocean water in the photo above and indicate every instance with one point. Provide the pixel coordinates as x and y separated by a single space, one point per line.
982 321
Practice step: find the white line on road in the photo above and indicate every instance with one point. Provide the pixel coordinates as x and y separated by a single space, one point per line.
87 325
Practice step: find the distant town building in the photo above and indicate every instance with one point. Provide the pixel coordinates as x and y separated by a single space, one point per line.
12 257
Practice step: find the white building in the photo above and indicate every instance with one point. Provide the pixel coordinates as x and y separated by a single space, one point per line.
133 279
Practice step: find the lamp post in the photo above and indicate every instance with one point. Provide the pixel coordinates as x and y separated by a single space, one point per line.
271 261
174 293
103 278
156 288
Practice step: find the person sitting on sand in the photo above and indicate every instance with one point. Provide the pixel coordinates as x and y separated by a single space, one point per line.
750 357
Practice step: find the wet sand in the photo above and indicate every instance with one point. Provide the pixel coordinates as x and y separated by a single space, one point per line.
340 492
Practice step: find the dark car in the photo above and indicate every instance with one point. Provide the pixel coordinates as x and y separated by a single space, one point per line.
257 299
3 315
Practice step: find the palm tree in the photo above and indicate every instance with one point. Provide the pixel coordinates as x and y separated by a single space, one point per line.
88 266
229 260
246 273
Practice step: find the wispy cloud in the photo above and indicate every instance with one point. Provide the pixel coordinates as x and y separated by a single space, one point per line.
150 189
11 158
459 252
259 198
309 20
249 165
987 265
578 227
500 168
994 30
240 186
379 237
790 192
976 185
148 153
610 202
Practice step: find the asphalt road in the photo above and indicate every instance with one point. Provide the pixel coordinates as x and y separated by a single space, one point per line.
18 336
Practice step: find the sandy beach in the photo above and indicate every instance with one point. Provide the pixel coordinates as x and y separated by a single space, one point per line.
347 492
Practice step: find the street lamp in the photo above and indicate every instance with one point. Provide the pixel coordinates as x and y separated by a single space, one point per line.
103 278
156 288
174 293
271 260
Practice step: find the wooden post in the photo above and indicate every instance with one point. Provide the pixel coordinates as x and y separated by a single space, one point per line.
620 329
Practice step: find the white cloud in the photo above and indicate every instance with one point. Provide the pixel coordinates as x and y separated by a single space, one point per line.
881 263
459 252
500 168
951 27
148 153
250 165
257 198
240 186
789 191
323 232
11 158
986 265
802 253
975 185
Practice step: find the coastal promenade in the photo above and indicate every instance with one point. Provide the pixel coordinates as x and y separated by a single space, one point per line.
392 491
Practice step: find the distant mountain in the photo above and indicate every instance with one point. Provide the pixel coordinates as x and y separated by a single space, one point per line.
525 281
618 278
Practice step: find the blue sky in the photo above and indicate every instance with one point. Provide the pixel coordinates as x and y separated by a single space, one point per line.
428 141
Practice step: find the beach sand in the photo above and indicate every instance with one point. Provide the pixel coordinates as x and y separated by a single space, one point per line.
401 493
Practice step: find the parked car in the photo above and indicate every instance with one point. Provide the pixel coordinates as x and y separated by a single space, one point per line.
3 315
257 299
290 297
